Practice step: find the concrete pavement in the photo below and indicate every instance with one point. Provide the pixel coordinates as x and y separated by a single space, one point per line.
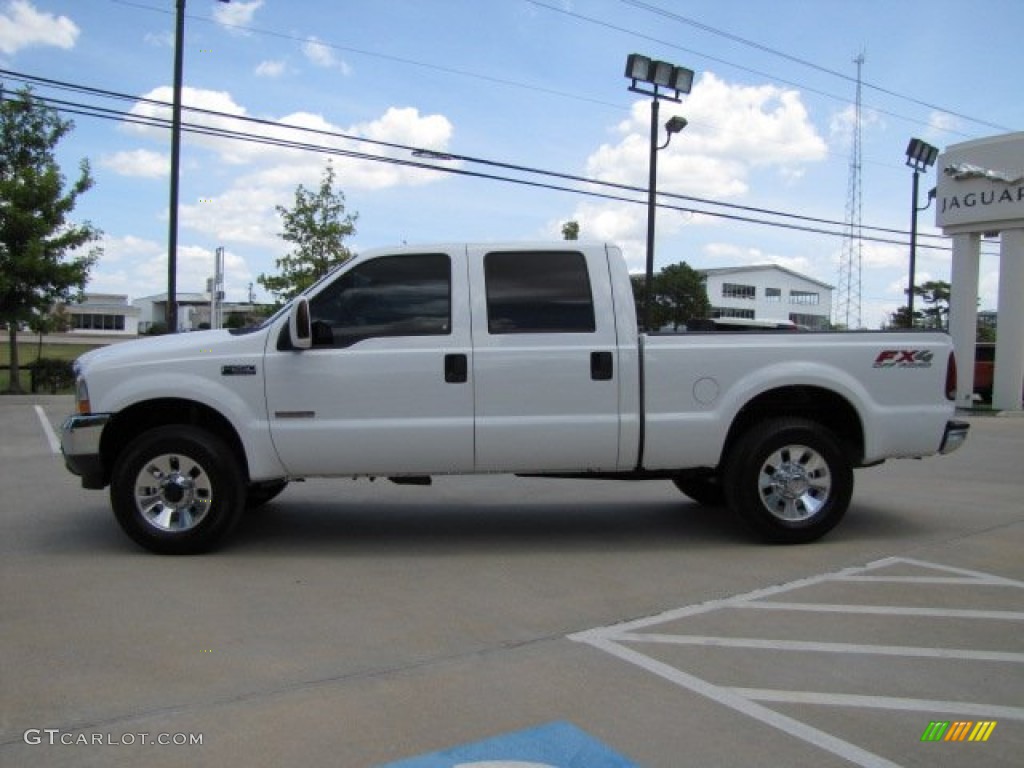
357 623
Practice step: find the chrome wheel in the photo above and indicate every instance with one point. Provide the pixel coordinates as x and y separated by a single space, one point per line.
173 493
789 478
794 483
177 489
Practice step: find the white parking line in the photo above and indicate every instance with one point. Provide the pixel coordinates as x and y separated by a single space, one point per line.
955 708
814 647
890 610
618 640
51 437
745 705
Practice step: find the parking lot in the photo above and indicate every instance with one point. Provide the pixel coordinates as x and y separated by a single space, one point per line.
359 624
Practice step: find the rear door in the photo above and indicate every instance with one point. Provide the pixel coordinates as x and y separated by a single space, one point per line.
545 362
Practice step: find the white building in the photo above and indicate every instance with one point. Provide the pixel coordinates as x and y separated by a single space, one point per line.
102 314
193 311
769 292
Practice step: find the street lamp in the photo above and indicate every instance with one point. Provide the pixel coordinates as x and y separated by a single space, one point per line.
920 156
172 227
662 81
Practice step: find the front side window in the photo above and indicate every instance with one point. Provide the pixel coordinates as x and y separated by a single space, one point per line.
538 292
407 295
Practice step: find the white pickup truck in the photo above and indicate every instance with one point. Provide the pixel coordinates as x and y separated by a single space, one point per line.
524 359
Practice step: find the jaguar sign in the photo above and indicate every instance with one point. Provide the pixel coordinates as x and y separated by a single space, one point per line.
981 185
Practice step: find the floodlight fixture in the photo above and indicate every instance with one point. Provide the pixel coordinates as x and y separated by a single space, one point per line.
660 74
921 155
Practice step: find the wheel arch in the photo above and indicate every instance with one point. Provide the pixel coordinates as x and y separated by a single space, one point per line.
818 404
132 421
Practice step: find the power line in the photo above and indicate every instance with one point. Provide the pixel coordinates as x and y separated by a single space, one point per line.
575 96
152 121
743 68
95 111
804 62
305 39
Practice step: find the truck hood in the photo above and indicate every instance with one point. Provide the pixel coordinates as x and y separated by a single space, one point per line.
172 348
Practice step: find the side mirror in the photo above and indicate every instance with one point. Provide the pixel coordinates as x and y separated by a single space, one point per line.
300 328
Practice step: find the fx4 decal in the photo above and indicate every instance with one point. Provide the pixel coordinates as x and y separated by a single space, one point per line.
904 358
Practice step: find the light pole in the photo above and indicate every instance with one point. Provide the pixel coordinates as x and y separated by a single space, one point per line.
172 226
920 157
656 75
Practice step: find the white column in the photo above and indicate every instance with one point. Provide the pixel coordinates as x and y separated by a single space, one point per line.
963 311
1009 371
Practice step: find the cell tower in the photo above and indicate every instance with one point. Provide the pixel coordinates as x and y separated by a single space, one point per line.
849 291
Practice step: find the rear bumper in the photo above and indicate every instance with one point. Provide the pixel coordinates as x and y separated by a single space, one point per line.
954 436
80 444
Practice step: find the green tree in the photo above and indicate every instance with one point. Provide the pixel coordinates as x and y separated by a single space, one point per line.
54 321
38 244
571 230
935 295
317 225
679 295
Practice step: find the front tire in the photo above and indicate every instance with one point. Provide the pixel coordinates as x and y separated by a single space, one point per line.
177 490
790 480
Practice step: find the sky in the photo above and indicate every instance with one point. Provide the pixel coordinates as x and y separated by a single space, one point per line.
495 86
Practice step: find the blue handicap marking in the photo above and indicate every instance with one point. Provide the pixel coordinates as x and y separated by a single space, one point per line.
554 745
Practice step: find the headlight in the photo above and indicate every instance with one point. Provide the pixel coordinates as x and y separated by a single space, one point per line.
82 404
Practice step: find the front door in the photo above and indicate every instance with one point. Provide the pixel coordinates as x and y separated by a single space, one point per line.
385 389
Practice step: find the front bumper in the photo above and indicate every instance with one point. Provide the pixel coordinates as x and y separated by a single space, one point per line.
80 444
954 436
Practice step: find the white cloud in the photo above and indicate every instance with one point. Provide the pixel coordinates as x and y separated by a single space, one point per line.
22 26
732 130
883 255
159 39
236 14
270 68
136 267
942 124
731 255
243 214
842 123
322 55
137 162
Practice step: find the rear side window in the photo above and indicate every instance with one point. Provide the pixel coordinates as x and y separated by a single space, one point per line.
407 295
538 292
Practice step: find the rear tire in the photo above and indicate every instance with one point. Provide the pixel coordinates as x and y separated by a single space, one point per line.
177 490
790 480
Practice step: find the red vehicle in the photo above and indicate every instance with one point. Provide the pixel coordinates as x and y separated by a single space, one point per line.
984 365
984 368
